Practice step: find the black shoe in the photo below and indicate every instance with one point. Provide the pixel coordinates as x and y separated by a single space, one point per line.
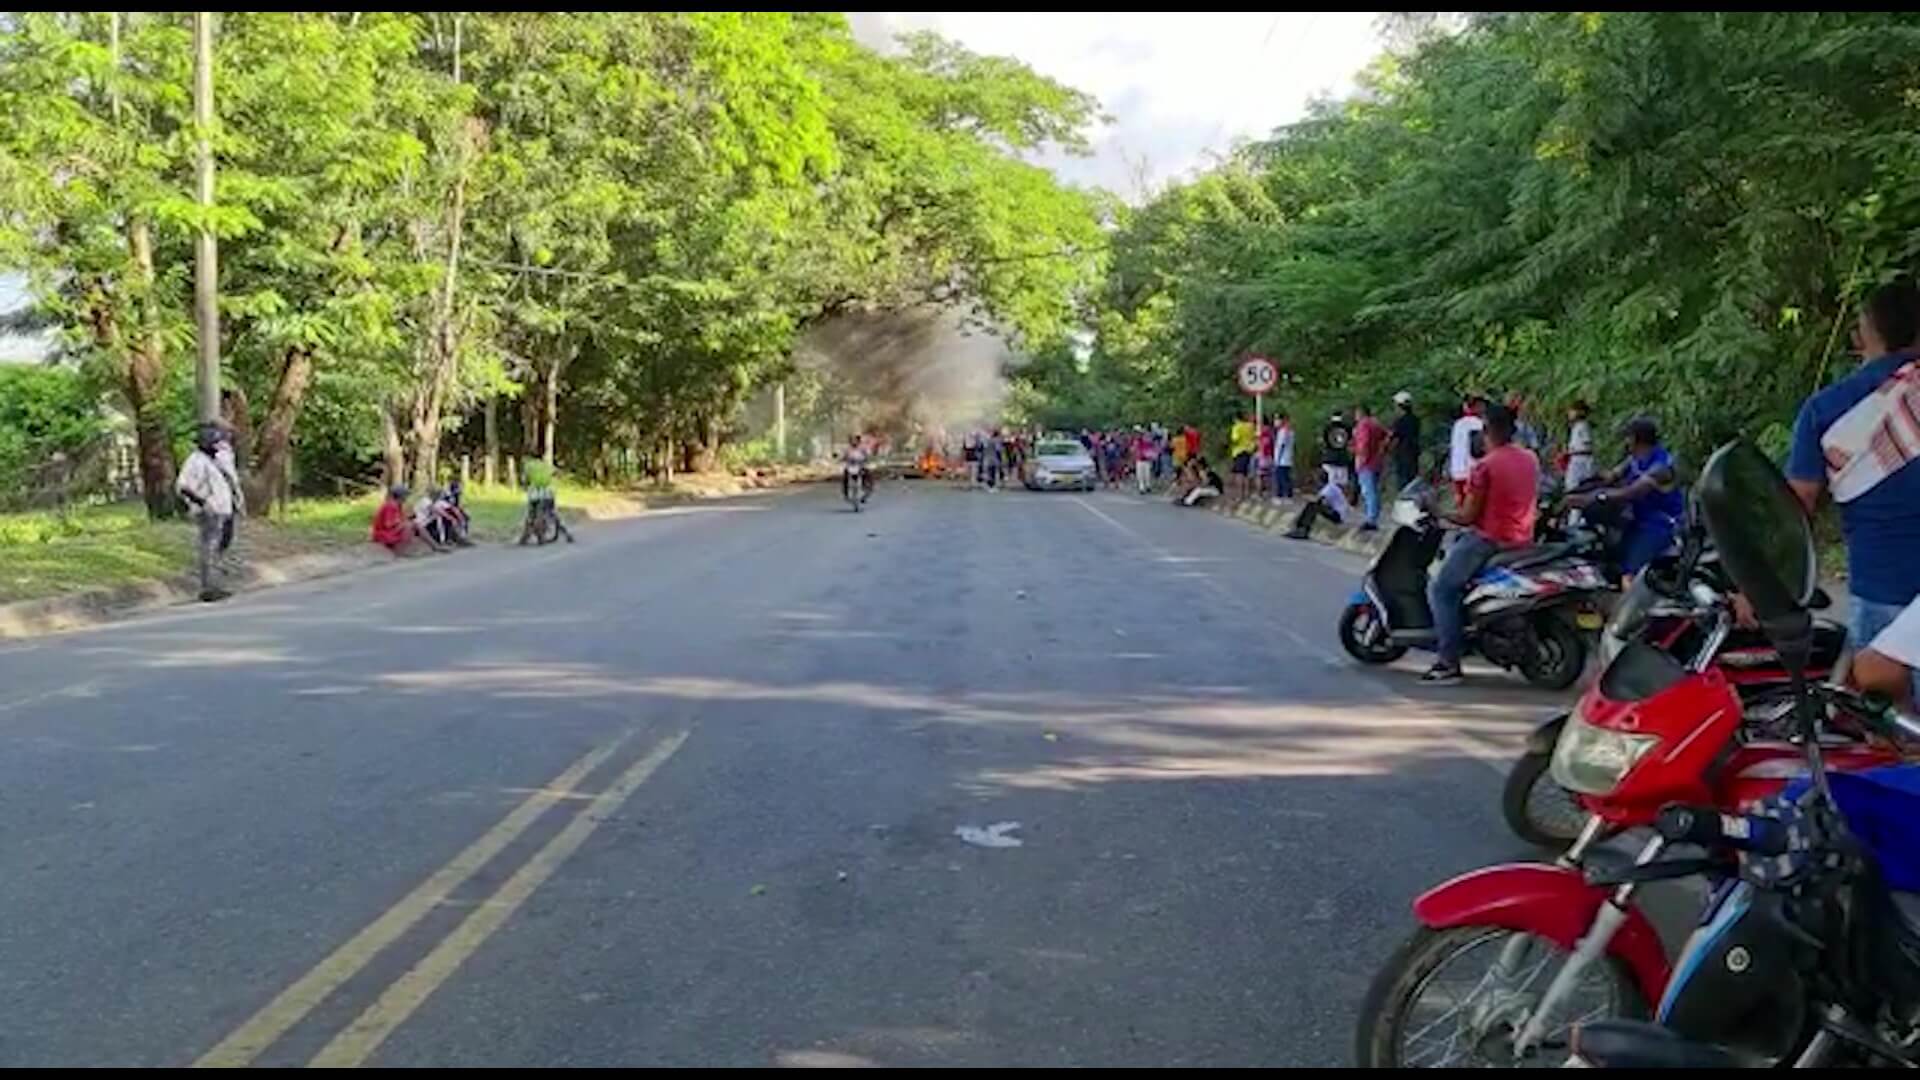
1369 527
213 596
1296 534
1443 675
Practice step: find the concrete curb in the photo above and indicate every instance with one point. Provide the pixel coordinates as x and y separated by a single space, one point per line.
1276 515
31 618
74 611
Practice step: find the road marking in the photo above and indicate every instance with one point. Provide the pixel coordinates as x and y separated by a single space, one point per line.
352 1046
1491 756
293 1004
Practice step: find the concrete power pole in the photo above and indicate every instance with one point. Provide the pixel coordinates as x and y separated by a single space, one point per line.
780 422
206 266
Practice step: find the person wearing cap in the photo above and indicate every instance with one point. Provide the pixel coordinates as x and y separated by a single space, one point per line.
1404 441
211 496
1648 485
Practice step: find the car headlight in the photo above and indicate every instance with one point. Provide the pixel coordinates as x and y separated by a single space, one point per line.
1593 760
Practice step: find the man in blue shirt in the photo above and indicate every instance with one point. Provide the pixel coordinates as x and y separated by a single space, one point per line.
1882 523
1647 485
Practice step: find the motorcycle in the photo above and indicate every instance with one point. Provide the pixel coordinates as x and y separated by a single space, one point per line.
856 485
1808 954
1675 616
1545 946
1530 609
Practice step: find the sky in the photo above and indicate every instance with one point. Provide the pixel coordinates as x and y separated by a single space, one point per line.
1179 86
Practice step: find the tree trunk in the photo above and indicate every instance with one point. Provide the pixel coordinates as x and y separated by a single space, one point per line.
549 413
489 475
146 381
394 454
274 446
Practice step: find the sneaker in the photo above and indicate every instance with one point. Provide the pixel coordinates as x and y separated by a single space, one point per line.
1442 675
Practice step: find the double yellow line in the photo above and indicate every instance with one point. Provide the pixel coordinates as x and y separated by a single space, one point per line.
353 1045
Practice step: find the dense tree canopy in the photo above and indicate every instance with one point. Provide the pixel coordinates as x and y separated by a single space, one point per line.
614 223
1659 211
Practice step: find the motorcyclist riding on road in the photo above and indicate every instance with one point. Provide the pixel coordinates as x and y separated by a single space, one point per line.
853 462
1498 512
1648 486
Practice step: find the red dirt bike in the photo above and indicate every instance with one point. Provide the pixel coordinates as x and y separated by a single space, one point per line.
1507 958
1664 612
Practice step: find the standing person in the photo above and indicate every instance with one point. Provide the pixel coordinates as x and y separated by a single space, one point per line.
994 457
1192 437
1498 511
1336 449
1579 446
1240 445
1283 456
1856 440
1460 448
1145 453
1404 440
1263 458
1369 461
1525 435
211 497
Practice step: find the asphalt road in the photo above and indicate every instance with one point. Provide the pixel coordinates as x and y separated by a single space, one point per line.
687 793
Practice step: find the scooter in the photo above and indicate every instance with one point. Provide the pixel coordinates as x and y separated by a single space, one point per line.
1535 947
1665 612
1530 609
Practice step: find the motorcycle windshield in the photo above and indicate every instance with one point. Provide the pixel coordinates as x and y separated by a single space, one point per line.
1631 612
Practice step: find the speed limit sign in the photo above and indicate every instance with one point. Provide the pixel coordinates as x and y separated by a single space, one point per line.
1258 375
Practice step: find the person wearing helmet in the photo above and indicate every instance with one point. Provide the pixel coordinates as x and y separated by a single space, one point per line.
1647 484
211 496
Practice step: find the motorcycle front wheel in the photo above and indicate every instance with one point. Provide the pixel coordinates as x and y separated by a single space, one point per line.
1442 1002
1558 655
1538 810
1365 639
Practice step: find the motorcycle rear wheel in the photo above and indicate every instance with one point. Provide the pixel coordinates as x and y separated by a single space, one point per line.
1558 656
1365 639
1393 1013
1538 810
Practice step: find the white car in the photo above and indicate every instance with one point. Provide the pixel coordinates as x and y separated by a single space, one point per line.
1057 464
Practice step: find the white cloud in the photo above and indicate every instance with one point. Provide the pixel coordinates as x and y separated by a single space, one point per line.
1179 86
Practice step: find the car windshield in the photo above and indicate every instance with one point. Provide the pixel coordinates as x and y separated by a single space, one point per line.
1060 449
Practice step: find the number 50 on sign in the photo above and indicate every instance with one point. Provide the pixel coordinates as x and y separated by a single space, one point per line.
1257 375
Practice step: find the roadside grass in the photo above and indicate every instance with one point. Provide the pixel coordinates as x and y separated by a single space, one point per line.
50 553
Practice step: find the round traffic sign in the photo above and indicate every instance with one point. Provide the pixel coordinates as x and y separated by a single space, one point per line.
1257 375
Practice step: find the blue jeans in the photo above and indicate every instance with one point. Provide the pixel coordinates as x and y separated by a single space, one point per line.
1283 481
1370 494
1645 542
1448 590
1865 620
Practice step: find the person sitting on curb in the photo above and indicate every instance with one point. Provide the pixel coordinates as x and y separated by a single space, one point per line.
1331 502
1204 484
394 529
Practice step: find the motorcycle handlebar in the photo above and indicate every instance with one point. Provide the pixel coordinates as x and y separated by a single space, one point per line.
1710 828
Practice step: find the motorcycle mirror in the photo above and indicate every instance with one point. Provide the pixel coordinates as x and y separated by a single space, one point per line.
1761 532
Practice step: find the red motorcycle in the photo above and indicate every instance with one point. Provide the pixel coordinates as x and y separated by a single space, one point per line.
1508 958
1657 610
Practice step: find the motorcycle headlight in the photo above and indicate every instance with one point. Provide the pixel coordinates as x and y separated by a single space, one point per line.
1593 760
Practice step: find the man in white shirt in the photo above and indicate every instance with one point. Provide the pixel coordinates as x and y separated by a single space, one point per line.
1460 454
1331 503
211 496
1580 466
1891 665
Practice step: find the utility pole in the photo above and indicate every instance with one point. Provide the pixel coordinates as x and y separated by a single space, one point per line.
206 267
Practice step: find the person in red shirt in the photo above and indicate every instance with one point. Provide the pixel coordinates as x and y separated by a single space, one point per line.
1502 494
1192 435
1369 461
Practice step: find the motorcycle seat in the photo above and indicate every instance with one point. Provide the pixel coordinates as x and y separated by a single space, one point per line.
1635 1044
1531 555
